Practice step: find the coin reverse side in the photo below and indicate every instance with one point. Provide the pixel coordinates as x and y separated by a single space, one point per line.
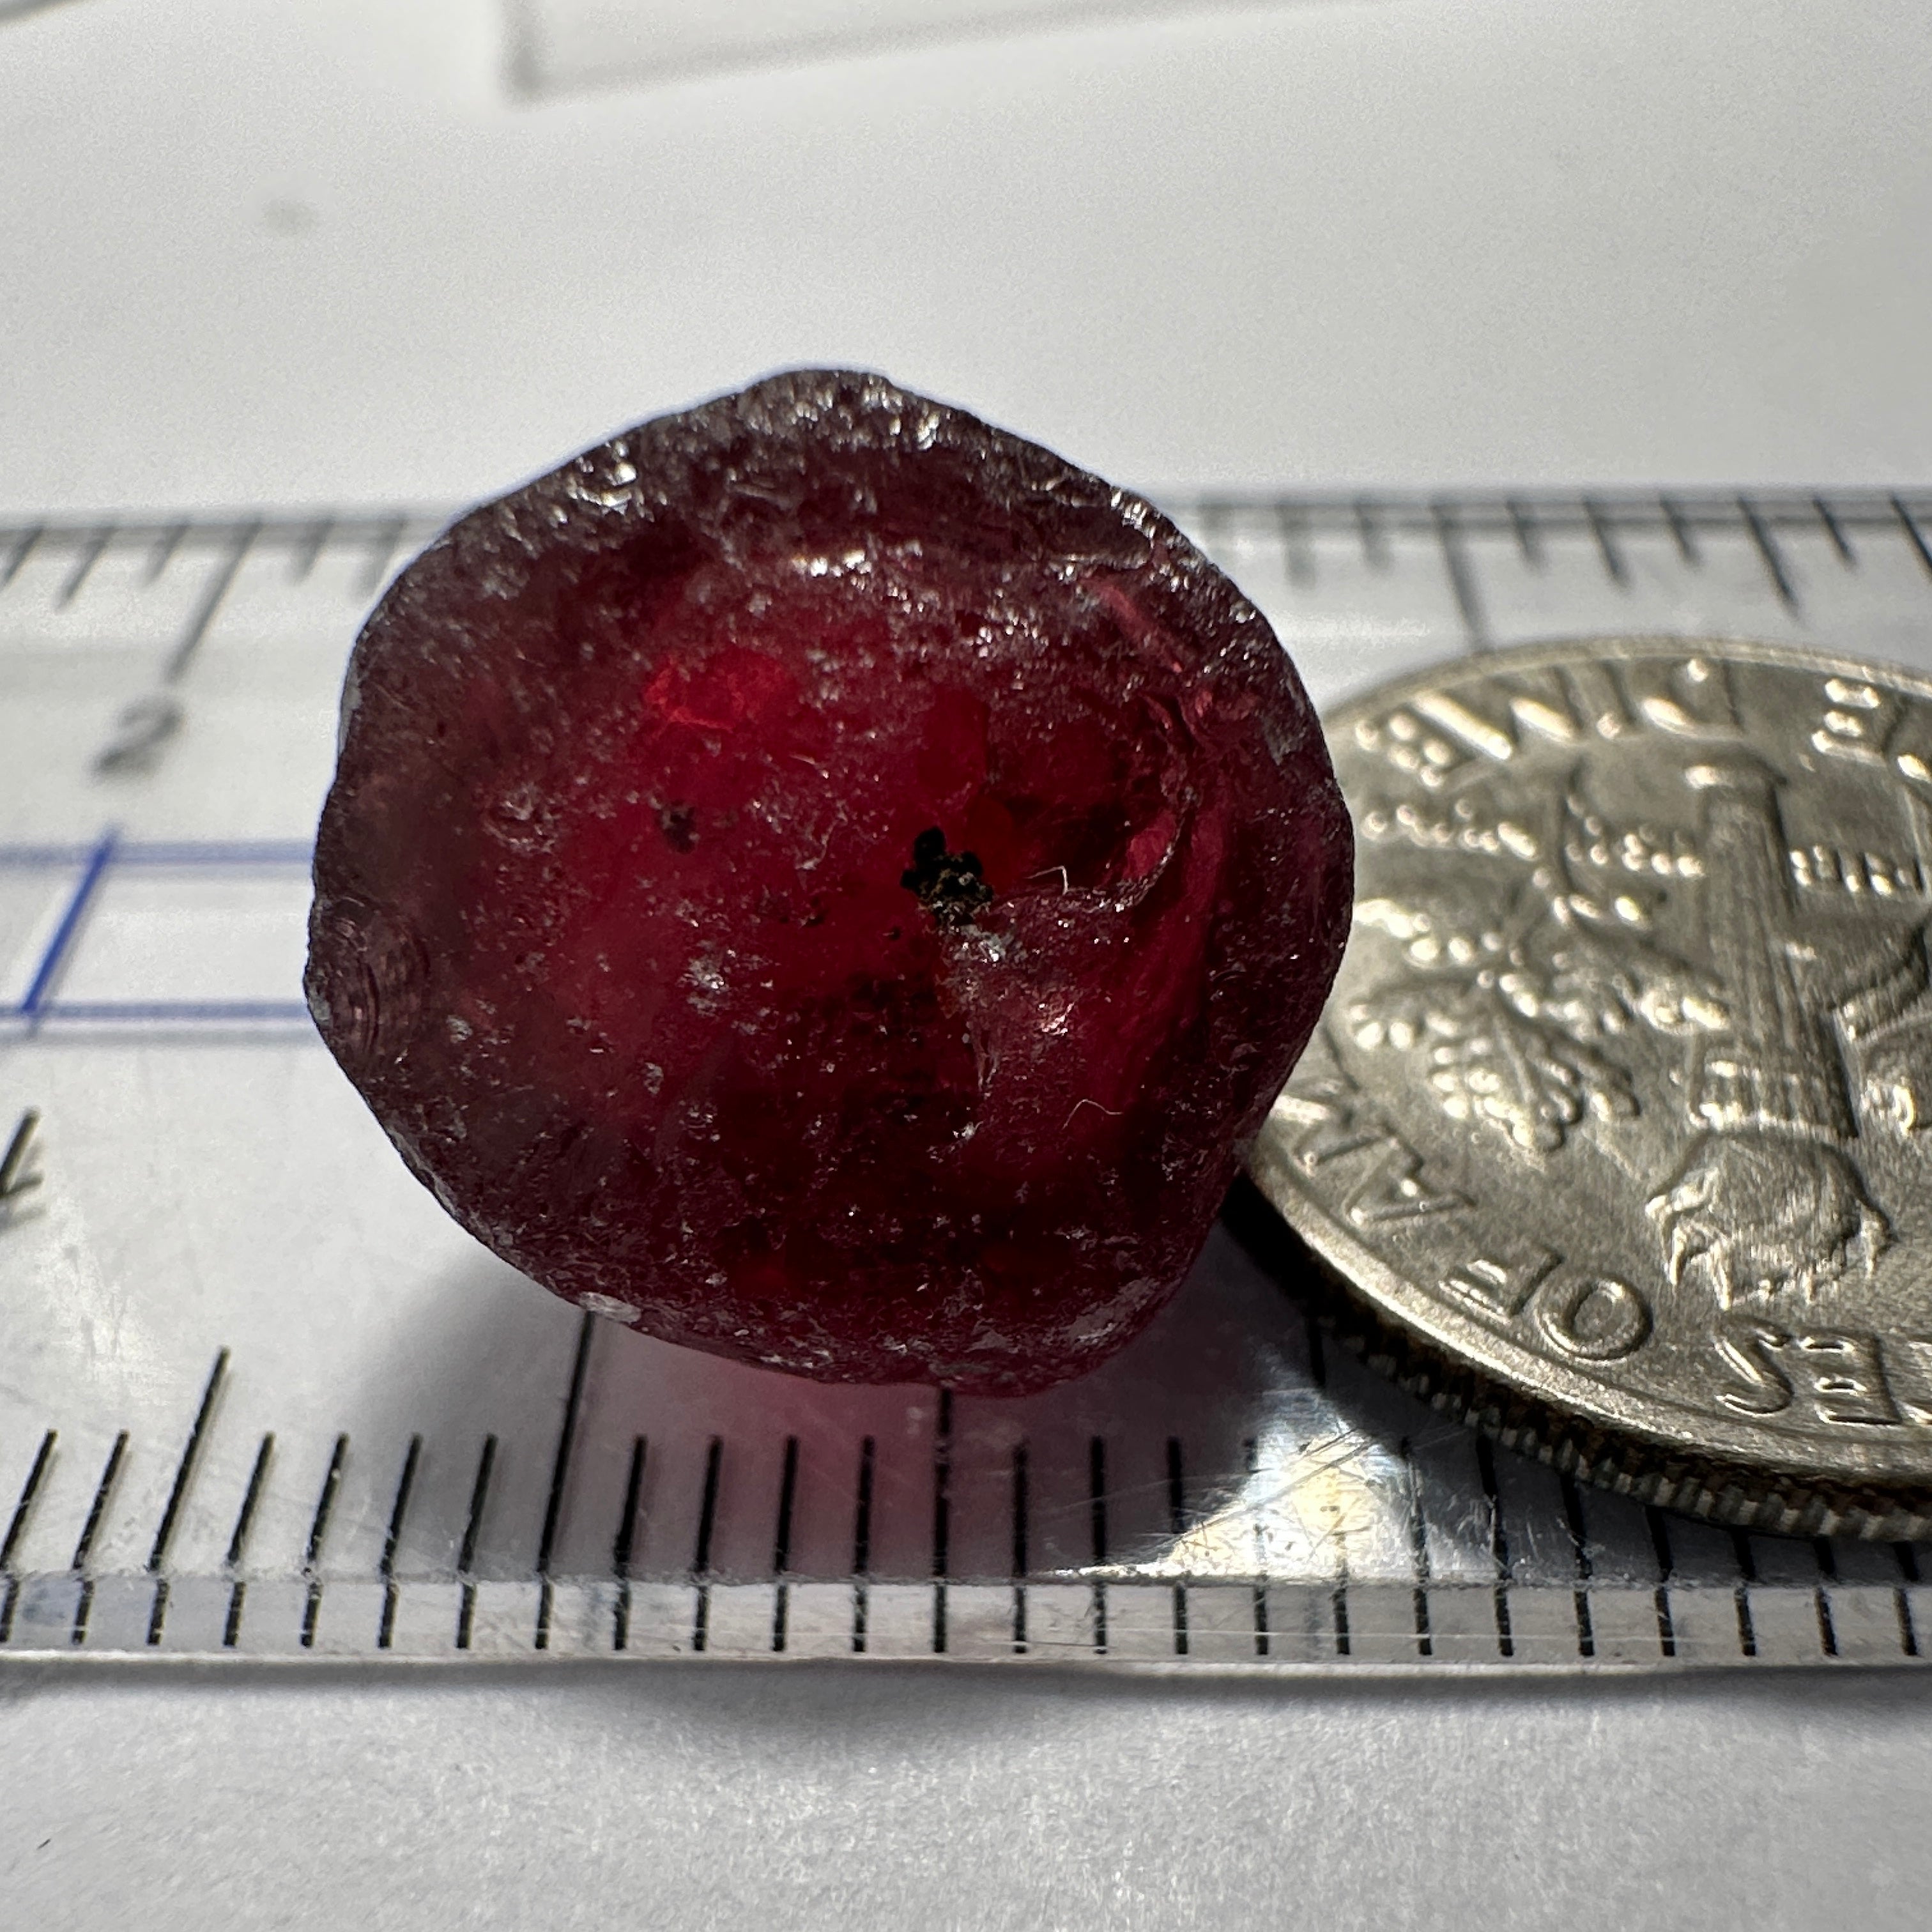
1620 1113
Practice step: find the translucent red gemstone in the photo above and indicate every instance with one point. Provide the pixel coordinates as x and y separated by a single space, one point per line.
828 881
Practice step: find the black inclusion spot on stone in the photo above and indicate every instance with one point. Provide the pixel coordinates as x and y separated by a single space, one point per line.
679 824
949 885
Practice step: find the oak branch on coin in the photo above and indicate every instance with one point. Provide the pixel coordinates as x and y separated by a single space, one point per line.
829 883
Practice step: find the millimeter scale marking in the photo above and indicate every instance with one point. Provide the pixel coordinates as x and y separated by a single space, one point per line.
592 1504
1236 1603
219 582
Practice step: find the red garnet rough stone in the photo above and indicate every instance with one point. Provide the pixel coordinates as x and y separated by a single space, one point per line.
827 882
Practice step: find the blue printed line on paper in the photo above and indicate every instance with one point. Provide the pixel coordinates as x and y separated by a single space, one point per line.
188 1011
41 984
263 1019
164 853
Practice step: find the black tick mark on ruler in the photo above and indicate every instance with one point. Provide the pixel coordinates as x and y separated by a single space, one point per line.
303 554
1659 1543
1499 1549
1608 549
1828 1575
701 1556
473 1529
1682 533
1914 535
1097 1504
1021 1556
1769 553
15 1179
560 1478
1741 1546
25 543
83 1550
1528 536
1176 1523
1297 553
1418 1544
157 1555
1580 1556
386 1568
1835 530
1906 1557
201 619
238 1544
862 1546
1251 1469
318 1529
17 1527
1450 540
85 557
624 1547
942 1519
782 1545
382 547
161 553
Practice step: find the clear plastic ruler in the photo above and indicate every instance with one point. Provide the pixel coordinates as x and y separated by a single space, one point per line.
259 1397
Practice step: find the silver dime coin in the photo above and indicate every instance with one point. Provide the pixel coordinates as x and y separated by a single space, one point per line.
1620 1119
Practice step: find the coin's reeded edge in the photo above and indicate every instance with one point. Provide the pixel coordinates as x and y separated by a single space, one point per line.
1590 1402
1626 1463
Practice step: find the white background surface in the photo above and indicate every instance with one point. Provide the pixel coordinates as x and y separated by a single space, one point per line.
779 1796
313 254
317 254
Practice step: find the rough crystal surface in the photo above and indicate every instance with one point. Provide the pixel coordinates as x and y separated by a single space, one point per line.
832 878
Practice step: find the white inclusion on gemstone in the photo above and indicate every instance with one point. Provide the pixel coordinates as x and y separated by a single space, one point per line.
706 979
609 1306
459 1027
